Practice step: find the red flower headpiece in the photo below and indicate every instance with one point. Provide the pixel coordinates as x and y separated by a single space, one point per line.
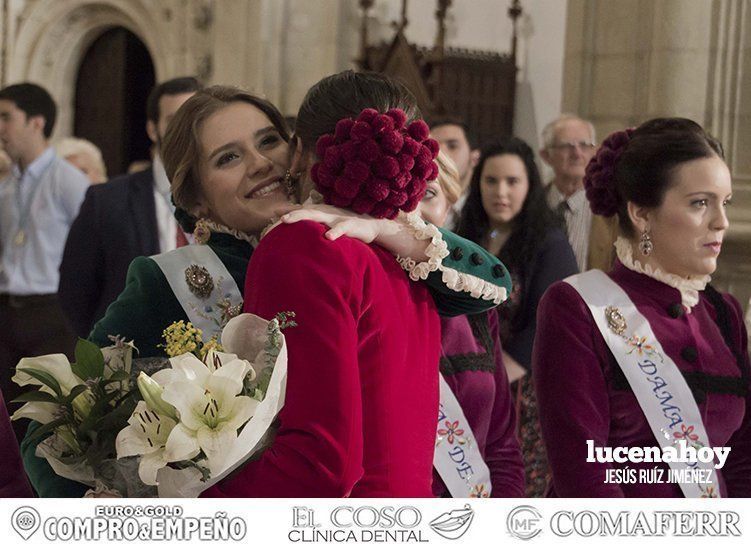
599 177
376 164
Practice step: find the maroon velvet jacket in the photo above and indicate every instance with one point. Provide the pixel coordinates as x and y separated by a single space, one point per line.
582 394
362 388
13 482
472 364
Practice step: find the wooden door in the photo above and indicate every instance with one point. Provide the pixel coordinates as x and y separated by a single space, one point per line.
113 83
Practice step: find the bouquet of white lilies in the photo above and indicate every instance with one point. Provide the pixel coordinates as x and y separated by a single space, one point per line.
182 429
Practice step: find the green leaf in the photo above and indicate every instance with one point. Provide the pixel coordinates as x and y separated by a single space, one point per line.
119 376
77 390
45 430
89 360
100 408
36 396
44 377
118 418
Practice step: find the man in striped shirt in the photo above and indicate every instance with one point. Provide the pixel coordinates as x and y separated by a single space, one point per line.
568 144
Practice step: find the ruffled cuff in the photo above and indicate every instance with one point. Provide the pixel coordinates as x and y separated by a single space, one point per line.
436 252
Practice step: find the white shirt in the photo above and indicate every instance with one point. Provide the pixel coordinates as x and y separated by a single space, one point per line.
578 217
56 189
165 211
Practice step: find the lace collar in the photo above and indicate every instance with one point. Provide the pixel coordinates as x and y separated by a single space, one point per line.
222 229
689 287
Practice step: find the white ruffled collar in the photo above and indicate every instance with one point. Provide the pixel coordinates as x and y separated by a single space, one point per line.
689 287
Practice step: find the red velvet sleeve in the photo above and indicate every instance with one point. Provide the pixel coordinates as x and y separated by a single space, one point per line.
318 449
502 452
737 470
571 393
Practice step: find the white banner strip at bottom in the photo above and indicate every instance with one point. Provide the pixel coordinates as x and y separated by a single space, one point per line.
283 521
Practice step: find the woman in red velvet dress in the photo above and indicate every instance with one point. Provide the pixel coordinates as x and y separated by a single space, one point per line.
669 185
362 386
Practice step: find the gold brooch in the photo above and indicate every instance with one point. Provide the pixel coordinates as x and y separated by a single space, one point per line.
616 321
199 281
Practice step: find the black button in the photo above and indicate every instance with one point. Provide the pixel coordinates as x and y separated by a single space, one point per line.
689 354
498 271
476 259
457 254
675 310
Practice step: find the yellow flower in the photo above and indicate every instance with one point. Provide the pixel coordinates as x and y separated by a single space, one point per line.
181 338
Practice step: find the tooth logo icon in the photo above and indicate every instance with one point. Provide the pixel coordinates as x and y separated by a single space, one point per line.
454 524
25 521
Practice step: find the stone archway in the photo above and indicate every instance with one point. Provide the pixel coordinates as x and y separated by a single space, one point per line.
54 36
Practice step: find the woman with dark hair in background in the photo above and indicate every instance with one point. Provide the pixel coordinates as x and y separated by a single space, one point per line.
648 355
506 212
362 386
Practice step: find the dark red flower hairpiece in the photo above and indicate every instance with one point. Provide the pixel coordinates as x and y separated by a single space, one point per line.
599 177
376 164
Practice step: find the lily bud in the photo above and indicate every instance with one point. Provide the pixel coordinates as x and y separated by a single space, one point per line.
151 392
82 404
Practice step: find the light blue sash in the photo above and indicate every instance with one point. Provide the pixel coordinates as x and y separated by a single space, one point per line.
659 386
209 313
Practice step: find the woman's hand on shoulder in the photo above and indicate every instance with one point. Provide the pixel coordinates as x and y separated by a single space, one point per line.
340 222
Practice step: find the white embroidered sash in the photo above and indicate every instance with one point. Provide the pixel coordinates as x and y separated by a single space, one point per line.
659 386
210 297
457 457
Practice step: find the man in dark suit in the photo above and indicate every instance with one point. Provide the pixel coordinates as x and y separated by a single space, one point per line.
122 219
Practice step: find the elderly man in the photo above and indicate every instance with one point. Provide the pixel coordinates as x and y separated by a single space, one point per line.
568 145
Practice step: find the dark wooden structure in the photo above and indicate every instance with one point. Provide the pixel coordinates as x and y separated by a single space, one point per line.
477 87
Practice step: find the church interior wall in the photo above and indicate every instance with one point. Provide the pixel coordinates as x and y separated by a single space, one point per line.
616 63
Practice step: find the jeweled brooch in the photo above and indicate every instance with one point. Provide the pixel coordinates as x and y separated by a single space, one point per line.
616 321
199 281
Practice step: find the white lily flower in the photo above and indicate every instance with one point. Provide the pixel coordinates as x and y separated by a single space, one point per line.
210 406
57 365
43 412
146 435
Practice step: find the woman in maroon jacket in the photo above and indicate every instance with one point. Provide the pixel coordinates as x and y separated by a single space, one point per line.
669 185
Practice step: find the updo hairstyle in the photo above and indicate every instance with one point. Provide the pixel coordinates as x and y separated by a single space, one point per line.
636 165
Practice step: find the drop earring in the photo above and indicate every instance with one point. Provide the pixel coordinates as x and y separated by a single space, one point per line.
289 182
645 243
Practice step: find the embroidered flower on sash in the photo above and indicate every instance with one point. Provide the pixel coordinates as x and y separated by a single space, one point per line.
708 492
639 345
686 433
479 492
452 432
